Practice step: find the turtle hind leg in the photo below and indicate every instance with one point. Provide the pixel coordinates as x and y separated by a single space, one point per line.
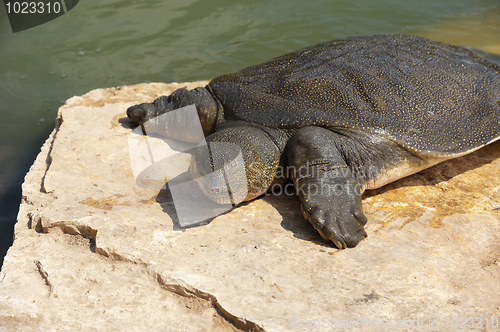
329 192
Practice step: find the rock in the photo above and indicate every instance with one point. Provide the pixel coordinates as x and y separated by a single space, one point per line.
95 251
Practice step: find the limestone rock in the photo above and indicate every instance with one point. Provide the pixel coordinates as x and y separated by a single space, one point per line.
94 251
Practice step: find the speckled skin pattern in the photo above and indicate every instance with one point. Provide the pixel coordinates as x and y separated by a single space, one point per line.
427 95
341 117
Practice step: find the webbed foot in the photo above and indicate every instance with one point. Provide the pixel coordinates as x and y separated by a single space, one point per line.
337 216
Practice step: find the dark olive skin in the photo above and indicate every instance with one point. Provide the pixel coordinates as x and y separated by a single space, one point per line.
343 116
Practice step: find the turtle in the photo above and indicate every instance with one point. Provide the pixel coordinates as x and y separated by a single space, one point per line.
342 117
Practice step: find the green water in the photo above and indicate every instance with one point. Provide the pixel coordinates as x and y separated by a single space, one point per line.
110 43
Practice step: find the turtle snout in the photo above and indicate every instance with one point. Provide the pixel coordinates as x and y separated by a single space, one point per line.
140 113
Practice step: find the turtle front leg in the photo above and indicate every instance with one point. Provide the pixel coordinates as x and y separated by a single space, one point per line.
329 193
238 159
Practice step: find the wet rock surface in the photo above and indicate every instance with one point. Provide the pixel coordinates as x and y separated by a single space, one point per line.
94 250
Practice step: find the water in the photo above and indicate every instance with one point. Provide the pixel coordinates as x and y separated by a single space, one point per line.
110 43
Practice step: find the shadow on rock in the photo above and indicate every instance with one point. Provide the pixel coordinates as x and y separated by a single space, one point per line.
444 171
289 207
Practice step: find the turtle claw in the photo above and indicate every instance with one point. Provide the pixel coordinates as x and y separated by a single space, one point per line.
344 235
336 239
327 233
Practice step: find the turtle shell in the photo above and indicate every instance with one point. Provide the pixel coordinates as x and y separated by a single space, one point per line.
428 96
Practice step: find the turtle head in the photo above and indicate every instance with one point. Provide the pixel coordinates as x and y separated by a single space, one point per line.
206 106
